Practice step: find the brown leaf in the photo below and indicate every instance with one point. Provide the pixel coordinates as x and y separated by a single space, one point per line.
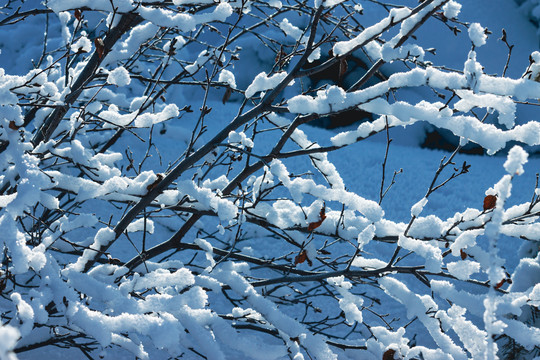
313 225
100 46
154 184
114 261
227 95
489 202
343 66
300 258
13 126
78 14
322 215
501 283
389 354
463 254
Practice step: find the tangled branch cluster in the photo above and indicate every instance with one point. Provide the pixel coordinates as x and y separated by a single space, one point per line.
187 228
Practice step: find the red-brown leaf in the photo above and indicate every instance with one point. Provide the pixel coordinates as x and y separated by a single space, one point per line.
322 215
389 354
463 254
100 46
159 177
13 126
300 258
501 283
489 202
78 14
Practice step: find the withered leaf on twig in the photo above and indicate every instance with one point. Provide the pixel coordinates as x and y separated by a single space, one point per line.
227 95
13 126
489 202
154 184
343 66
78 14
300 258
100 46
322 215
500 283
389 354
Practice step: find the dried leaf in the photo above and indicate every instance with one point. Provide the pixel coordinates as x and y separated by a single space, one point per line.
463 254
501 283
114 261
227 95
389 354
100 46
154 184
13 126
300 258
78 14
343 66
489 202
322 215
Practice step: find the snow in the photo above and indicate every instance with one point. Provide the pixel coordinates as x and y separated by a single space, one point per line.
418 207
240 138
517 157
291 30
451 9
366 236
477 34
463 269
119 77
9 336
178 41
227 76
102 238
262 82
417 306
201 60
82 45
349 303
431 253
526 275
141 225
184 21
183 308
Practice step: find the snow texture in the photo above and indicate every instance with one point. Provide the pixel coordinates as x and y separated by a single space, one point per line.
262 82
119 77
